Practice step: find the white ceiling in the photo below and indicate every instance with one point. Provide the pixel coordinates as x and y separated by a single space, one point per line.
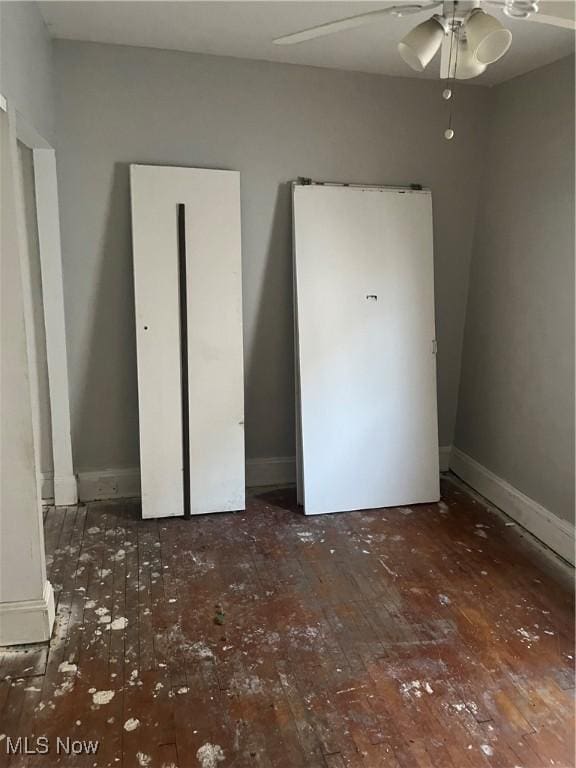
246 30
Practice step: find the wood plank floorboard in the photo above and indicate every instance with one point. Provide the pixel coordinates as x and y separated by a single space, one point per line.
434 636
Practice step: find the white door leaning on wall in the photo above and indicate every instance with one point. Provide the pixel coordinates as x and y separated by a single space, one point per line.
188 292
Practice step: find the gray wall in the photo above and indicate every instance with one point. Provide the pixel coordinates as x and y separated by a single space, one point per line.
272 122
26 72
516 406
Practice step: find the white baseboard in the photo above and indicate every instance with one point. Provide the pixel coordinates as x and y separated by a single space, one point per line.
276 470
98 485
109 484
550 529
101 484
28 621
65 491
60 491
282 470
445 452
47 487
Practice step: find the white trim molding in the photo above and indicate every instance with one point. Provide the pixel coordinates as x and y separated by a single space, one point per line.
124 483
444 454
275 470
47 488
28 621
281 470
101 484
48 229
65 488
47 215
539 521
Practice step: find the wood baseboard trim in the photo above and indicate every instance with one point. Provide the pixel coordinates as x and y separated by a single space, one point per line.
58 491
28 621
539 521
282 470
65 491
444 454
102 484
275 470
47 487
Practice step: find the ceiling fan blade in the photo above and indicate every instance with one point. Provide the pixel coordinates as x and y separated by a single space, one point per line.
353 21
561 13
557 13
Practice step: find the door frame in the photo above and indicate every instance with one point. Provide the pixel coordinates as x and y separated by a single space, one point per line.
65 488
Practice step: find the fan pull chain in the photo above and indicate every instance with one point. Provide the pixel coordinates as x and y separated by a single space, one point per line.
447 92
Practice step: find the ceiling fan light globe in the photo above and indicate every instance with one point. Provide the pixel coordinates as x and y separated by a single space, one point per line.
494 46
410 57
467 65
421 44
487 38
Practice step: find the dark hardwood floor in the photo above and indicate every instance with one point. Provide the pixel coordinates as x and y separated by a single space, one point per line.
435 636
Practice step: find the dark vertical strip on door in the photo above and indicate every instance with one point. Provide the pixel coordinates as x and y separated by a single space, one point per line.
182 290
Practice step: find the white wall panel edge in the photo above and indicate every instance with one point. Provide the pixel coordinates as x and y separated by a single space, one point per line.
299 469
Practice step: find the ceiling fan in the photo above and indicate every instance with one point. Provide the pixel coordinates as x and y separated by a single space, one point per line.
469 38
